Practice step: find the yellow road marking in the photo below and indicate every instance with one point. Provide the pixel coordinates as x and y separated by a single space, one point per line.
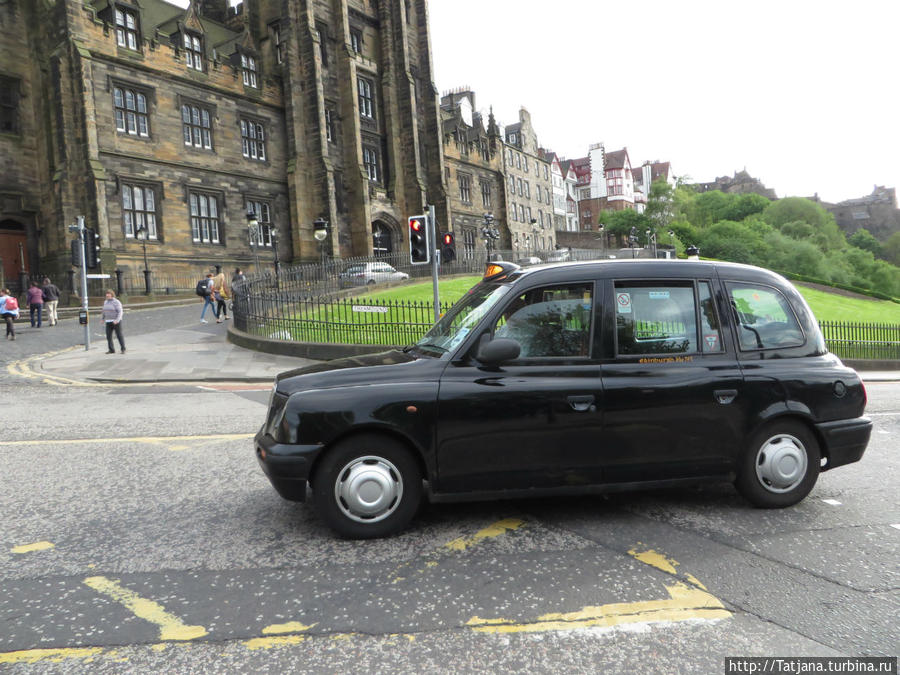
171 627
289 627
495 530
52 655
133 439
30 548
684 603
654 559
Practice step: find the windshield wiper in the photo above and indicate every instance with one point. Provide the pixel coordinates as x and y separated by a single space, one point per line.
431 345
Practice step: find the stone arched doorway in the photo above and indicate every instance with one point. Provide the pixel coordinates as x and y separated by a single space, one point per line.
385 238
13 250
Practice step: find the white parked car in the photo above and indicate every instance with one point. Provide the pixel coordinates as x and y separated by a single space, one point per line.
364 274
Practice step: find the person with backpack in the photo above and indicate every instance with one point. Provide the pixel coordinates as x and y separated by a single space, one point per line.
9 310
205 290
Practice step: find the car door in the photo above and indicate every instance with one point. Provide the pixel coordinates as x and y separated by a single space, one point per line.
529 423
674 406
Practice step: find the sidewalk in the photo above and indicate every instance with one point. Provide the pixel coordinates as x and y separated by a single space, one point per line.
200 354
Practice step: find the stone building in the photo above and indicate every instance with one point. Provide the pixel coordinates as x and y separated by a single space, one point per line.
529 190
876 212
741 183
163 126
473 168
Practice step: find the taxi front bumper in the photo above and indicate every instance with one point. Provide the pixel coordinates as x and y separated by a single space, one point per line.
286 466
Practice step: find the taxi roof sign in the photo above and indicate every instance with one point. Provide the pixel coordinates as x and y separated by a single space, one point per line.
498 269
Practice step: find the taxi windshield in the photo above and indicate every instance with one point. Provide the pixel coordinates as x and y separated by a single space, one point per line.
453 327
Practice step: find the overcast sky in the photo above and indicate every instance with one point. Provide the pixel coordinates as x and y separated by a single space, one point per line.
801 93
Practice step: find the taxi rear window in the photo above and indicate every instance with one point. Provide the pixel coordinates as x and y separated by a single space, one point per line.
661 318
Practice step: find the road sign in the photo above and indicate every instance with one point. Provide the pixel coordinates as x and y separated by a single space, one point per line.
97 276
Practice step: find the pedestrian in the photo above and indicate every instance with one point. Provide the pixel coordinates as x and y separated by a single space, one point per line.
207 297
35 303
111 315
238 276
51 300
9 310
220 293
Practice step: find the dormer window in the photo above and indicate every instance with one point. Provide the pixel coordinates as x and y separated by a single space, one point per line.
249 71
126 29
193 51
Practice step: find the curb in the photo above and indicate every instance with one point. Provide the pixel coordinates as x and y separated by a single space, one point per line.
319 351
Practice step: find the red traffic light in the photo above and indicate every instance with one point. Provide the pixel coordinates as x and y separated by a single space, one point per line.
415 225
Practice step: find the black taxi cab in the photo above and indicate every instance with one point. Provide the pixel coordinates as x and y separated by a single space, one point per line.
568 379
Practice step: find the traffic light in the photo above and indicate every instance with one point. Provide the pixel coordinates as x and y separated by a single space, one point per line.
448 248
91 248
419 250
76 253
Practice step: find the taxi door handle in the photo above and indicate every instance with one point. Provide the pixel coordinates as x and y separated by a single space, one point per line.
725 396
582 403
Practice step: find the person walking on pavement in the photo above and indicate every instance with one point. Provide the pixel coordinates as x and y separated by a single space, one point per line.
51 300
35 303
220 293
111 315
9 310
207 297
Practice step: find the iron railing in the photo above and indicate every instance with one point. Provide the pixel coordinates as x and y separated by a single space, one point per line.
862 340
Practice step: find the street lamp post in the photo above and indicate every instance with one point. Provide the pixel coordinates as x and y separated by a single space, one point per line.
142 235
632 241
320 232
275 251
253 235
651 239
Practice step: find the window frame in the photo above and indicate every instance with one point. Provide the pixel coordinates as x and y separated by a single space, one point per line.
254 140
371 162
10 96
197 234
465 187
250 70
263 210
149 218
194 55
786 305
120 93
126 33
195 127
365 92
356 41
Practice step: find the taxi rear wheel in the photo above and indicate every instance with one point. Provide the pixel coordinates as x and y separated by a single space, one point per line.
367 486
780 466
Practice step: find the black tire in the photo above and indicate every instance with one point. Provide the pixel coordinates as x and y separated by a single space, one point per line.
367 486
780 465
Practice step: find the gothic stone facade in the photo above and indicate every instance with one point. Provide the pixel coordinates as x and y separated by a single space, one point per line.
163 125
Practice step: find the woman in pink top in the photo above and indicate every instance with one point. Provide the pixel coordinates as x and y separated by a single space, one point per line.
35 302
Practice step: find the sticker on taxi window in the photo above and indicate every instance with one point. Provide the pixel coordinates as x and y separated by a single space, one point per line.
623 303
712 342
659 295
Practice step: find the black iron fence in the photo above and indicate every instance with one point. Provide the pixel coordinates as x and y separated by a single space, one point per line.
862 340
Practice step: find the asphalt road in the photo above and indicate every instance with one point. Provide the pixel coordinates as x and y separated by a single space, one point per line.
138 535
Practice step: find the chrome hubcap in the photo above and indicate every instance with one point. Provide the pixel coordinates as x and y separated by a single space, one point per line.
368 489
781 463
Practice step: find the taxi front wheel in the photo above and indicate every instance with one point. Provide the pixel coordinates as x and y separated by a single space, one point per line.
367 486
780 465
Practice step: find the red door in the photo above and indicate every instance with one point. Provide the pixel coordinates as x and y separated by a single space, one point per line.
13 249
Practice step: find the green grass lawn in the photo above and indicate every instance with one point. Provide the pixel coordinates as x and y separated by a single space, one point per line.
834 307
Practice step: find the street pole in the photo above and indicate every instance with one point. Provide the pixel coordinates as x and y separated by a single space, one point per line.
84 288
435 261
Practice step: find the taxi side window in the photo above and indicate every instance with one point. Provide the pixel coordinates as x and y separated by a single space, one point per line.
764 317
654 318
710 330
551 321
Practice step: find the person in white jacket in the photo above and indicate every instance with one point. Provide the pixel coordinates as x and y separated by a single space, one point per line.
111 315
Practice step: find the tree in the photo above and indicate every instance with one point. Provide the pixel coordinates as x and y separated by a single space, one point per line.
736 242
863 239
828 235
620 223
660 205
891 249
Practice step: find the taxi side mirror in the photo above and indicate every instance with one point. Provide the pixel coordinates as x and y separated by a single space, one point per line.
497 351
